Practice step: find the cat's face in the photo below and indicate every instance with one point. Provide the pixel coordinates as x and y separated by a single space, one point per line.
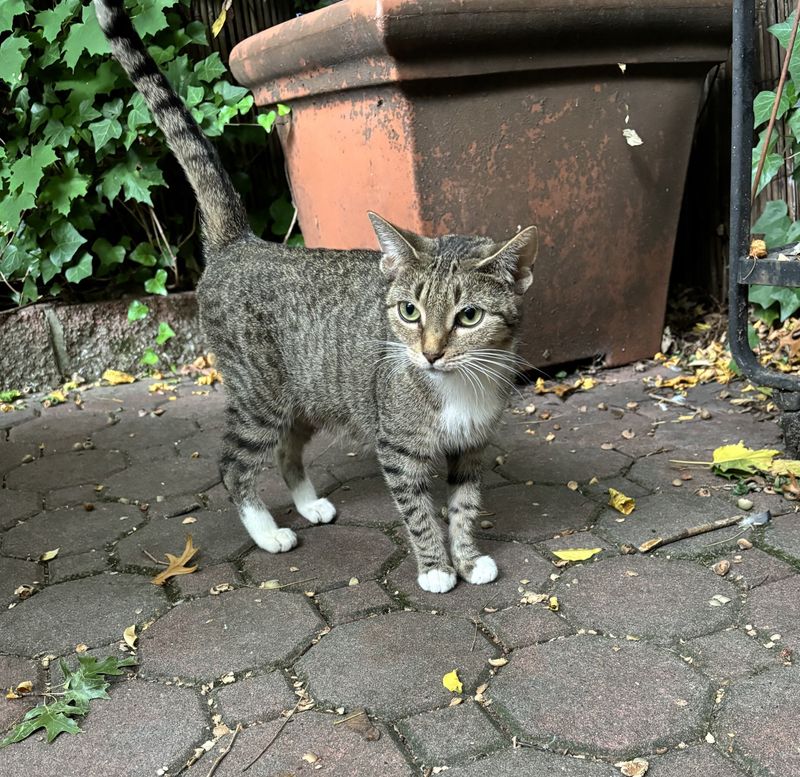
454 302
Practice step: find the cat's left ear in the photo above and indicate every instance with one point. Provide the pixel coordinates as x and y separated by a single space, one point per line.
517 257
399 246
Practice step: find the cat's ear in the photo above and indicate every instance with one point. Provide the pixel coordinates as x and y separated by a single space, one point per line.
517 257
399 246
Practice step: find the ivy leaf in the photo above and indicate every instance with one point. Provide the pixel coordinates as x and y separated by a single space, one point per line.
787 298
135 176
105 130
151 19
139 113
773 223
56 134
109 255
67 241
38 114
783 32
157 284
27 171
283 110
196 31
8 10
12 59
112 109
772 164
12 208
81 270
210 69
102 80
165 332
267 120
137 311
228 92
53 718
53 20
86 36
62 190
149 357
194 94
762 106
144 254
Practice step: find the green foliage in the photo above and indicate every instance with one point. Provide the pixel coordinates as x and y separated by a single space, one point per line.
87 682
775 224
83 170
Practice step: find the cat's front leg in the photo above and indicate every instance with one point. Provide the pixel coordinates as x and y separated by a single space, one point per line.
464 471
408 476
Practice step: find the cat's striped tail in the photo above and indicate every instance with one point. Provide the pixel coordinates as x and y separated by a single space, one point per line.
222 213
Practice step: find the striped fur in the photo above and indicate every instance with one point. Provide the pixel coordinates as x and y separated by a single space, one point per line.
312 338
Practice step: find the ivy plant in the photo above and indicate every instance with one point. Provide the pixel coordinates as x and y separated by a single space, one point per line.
83 169
777 302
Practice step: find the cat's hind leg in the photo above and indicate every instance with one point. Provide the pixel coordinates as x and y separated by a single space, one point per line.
289 458
246 444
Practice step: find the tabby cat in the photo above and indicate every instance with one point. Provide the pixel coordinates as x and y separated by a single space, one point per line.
411 348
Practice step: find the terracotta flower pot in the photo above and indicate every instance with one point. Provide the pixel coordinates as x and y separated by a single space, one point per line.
476 116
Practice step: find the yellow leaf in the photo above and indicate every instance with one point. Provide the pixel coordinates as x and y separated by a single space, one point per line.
739 458
452 683
160 387
24 687
49 555
621 503
576 554
177 564
56 398
785 467
552 603
130 637
115 377
219 22
209 379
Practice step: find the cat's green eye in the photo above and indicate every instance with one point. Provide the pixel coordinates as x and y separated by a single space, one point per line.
469 316
409 312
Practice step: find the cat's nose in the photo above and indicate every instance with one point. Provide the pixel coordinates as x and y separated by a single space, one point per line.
432 356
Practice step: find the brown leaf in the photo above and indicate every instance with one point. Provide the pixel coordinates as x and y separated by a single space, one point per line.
359 722
177 564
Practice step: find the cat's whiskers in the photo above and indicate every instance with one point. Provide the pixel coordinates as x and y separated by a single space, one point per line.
492 371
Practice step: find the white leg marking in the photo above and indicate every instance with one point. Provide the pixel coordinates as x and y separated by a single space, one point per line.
261 527
484 571
310 506
437 581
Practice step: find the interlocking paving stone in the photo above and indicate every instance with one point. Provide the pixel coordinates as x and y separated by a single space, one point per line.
724 428
342 752
515 562
237 630
258 698
13 671
633 689
535 513
772 609
132 432
71 529
667 513
451 735
275 494
526 625
218 534
365 501
17 416
763 716
330 554
354 602
16 505
199 583
393 664
783 534
66 567
665 599
346 467
598 492
12 454
14 573
65 423
703 761
562 462
94 610
66 469
752 568
142 728
144 482
73 495
729 654
658 472
530 763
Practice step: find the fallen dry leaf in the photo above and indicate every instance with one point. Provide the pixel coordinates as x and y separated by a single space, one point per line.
189 519
161 386
177 564
359 722
49 555
498 661
209 379
621 503
758 249
636 768
129 635
452 683
552 603
576 554
115 377
722 567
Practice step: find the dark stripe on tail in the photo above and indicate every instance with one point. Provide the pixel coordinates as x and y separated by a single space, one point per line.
223 216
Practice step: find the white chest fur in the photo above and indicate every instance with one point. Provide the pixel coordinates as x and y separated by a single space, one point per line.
468 409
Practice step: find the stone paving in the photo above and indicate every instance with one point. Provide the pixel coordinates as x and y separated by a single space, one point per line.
653 657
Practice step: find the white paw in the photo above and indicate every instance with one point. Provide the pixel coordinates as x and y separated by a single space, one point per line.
276 540
437 581
484 571
318 511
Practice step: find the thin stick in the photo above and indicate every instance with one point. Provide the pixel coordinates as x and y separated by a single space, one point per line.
349 717
274 736
475 638
657 542
154 559
164 240
692 463
225 751
291 227
776 102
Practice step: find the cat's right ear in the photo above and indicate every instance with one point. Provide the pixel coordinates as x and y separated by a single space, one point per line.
399 246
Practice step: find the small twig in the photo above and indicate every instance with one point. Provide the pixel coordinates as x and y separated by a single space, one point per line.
274 736
728 539
225 751
657 542
349 717
703 464
164 241
475 638
291 227
154 559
